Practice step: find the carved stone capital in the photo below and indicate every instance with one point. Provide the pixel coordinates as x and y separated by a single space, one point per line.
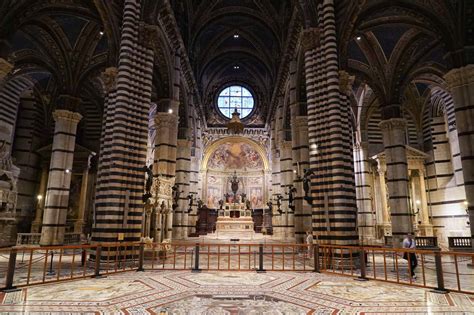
148 35
109 78
310 38
166 120
459 77
162 188
345 82
5 68
301 121
62 114
393 123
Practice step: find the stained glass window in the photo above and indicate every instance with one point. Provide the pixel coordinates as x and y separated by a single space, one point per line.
233 97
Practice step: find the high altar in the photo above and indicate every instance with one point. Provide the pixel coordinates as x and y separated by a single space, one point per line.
235 221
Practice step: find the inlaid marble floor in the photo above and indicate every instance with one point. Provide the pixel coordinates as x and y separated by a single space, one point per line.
183 292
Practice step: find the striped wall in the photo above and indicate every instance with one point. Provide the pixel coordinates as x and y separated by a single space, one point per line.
332 187
120 182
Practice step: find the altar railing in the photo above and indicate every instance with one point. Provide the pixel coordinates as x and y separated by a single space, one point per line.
439 270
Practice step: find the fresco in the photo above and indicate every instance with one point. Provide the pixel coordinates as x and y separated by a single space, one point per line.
235 155
214 191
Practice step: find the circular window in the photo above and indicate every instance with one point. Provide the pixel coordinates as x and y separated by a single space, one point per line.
235 97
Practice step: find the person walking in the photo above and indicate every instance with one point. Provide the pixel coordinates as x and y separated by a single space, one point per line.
409 242
309 243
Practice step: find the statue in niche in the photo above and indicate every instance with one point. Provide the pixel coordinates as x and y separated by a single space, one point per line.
248 204
270 206
291 197
279 198
148 182
175 195
234 184
163 207
200 204
307 183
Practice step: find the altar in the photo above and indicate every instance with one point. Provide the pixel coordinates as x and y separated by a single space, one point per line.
235 221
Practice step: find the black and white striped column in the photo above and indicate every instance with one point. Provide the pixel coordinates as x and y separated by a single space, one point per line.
120 181
365 212
461 85
394 139
332 185
59 180
183 177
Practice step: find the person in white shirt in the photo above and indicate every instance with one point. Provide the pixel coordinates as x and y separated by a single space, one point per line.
309 243
409 242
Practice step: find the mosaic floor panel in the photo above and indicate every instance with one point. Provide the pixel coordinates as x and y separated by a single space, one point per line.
183 292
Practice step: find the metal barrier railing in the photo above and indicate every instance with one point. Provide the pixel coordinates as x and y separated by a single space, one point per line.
434 269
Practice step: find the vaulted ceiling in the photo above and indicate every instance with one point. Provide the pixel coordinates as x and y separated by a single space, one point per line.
63 45
235 41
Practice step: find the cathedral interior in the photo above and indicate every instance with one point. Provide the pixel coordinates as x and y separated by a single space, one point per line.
349 123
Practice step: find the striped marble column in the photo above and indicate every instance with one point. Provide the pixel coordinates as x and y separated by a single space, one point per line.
394 139
461 86
59 179
183 176
120 178
365 213
332 185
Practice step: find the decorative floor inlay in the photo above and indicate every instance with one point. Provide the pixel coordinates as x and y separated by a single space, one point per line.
222 293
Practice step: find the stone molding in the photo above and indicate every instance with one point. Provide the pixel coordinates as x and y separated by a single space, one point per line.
166 120
5 68
459 77
109 78
310 38
393 123
62 114
345 82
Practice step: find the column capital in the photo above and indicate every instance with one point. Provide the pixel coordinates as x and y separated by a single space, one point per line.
109 78
301 121
5 68
62 114
148 35
166 120
345 82
310 38
460 76
392 123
